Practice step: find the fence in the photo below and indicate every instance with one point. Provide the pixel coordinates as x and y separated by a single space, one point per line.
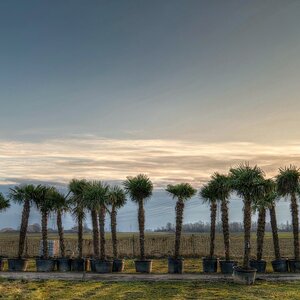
194 245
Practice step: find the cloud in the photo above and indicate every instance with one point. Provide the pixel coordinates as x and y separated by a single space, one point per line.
165 161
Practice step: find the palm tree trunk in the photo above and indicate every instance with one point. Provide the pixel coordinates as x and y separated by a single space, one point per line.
294 210
61 234
213 216
141 217
102 232
45 233
80 235
179 218
113 225
275 232
225 226
95 233
260 234
247 231
24 226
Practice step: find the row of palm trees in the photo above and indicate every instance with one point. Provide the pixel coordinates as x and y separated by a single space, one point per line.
97 198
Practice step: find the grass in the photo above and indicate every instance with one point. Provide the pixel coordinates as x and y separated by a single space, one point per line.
141 290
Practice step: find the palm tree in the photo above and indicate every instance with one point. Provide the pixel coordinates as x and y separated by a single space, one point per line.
76 188
44 202
116 199
4 203
288 181
248 183
23 195
221 188
182 192
207 193
95 196
260 205
139 188
60 206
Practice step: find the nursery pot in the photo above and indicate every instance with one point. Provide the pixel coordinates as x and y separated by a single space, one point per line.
280 265
227 266
63 264
79 264
210 265
175 265
103 266
1 264
17 264
294 265
244 276
45 265
118 265
259 265
143 266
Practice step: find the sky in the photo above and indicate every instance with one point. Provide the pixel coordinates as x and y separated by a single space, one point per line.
174 89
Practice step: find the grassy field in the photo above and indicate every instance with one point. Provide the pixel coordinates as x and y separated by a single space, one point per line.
141 290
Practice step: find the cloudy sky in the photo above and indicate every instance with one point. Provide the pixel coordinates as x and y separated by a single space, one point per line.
174 89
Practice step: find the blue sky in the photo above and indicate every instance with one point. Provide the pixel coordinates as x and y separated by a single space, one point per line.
174 89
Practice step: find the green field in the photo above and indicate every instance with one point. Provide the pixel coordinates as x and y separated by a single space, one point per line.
140 290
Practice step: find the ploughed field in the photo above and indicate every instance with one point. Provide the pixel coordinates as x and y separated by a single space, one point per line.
157 245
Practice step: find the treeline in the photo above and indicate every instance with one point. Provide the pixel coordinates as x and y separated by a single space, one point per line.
233 227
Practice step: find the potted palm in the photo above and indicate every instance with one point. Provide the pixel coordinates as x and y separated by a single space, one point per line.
60 206
288 185
4 204
222 189
116 199
261 205
279 264
95 198
210 263
181 192
44 203
247 181
76 188
139 188
22 195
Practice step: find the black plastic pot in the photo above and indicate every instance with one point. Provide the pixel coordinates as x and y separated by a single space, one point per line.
118 265
45 265
244 276
210 265
92 265
143 266
259 265
175 266
103 266
227 266
63 264
17 264
1 264
280 265
78 265
294 265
